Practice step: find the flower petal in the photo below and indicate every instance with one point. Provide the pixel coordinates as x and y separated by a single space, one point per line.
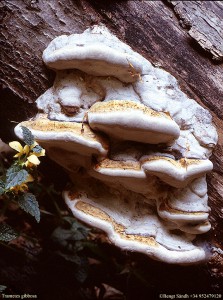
16 146
23 187
33 159
29 178
18 154
26 149
42 153
34 145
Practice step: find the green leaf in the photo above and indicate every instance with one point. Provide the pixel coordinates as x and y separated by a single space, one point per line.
2 288
15 176
29 204
37 149
27 136
81 272
74 258
63 236
68 239
2 187
7 233
80 265
13 168
79 231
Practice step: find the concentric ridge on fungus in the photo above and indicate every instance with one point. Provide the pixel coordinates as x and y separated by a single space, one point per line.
125 105
135 146
132 121
97 213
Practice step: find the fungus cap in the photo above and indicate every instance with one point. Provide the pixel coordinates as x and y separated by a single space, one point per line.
73 136
96 58
176 173
197 228
163 246
127 174
166 212
129 120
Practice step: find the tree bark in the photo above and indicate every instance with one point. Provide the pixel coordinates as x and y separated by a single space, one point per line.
183 37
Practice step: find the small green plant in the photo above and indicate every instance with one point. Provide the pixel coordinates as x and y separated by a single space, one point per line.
70 238
15 181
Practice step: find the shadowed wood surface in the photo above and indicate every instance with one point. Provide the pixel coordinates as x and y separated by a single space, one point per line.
152 28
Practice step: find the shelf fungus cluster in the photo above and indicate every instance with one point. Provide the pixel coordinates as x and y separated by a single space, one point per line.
136 147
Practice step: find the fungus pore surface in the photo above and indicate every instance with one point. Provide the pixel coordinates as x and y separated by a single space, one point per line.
136 147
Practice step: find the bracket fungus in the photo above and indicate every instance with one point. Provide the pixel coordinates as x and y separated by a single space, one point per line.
132 121
176 173
136 147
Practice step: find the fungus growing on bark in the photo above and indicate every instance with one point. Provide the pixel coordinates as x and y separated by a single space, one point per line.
176 173
94 56
132 121
127 224
127 174
107 114
71 144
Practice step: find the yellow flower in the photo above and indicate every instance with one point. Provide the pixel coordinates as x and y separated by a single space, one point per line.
19 188
32 159
19 148
32 156
41 153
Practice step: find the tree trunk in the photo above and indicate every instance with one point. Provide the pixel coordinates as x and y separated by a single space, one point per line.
183 37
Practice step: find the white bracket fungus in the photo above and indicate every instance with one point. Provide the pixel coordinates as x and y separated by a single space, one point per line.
136 147
176 173
132 122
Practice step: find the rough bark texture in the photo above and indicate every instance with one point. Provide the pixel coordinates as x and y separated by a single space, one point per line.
151 28
203 19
